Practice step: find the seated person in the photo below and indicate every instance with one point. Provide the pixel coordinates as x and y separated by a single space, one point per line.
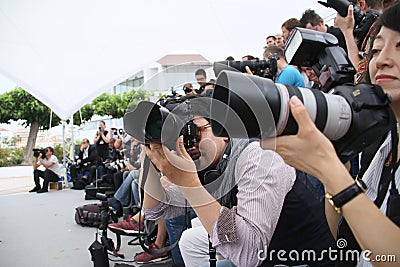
255 208
87 162
51 173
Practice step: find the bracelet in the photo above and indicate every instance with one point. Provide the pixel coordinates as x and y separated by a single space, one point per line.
347 194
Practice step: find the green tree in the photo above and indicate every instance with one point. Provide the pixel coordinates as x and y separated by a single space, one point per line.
20 105
115 105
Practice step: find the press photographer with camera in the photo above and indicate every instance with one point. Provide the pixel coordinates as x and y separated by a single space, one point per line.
101 140
87 161
233 186
51 173
355 19
286 73
373 215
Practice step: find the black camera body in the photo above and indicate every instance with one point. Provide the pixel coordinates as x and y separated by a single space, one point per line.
263 68
165 121
363 21
37 151
320 51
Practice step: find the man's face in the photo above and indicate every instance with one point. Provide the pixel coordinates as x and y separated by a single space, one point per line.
285 33
85 144
319 27
209 149
48 153
201 79
270 41
279 41
312 76
118 144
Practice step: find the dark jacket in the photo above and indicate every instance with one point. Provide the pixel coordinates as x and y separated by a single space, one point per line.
92 158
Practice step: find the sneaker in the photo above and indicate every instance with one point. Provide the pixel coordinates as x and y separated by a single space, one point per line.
43 190
145 257
36 188
128 226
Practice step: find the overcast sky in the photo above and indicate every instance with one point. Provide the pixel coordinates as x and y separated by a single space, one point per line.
244 24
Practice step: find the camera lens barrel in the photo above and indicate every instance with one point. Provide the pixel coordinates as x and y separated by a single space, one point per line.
261 108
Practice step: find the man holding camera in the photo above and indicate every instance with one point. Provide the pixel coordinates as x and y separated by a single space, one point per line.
51 173
247 200
86 162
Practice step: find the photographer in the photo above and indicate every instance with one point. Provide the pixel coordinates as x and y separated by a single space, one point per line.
51 173
373 216
101 140
86 162
286 74
357 49
250 186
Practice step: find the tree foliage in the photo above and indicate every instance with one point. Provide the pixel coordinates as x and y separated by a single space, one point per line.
20 105
115 105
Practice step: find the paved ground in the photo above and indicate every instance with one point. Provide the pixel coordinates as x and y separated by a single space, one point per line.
39 229
15 179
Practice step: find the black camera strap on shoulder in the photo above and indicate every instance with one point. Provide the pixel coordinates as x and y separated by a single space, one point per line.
387 175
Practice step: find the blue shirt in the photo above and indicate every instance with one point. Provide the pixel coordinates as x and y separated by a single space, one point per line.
290 76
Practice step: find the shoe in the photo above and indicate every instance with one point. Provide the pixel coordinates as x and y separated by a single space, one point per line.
128 226
145 257
36 188
42 191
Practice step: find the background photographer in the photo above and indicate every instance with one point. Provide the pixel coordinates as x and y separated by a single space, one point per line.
87 162
101 140
357 47
286 74
51 174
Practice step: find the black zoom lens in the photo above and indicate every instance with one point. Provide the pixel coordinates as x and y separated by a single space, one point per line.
246 106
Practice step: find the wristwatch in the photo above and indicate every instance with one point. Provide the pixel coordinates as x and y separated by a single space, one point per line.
347 194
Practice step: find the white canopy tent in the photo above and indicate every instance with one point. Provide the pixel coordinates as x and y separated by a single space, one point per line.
66 53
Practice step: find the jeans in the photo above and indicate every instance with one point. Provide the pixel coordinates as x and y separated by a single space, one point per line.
175 227
128 192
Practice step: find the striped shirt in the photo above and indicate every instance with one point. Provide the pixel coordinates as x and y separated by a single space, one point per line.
372 177
263 180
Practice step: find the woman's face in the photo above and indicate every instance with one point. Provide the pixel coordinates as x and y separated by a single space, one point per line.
384 66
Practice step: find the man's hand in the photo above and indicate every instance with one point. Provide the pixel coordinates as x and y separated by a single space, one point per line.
178 167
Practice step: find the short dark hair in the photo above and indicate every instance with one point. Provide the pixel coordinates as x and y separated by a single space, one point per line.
309 16
200 72
50 148
291 23
273 49
271 36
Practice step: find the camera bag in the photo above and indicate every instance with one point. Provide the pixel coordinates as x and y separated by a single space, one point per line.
89 215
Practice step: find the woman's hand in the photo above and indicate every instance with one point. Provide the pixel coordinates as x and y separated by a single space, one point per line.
309 150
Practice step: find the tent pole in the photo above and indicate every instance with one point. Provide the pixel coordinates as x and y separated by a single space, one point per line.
64 154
